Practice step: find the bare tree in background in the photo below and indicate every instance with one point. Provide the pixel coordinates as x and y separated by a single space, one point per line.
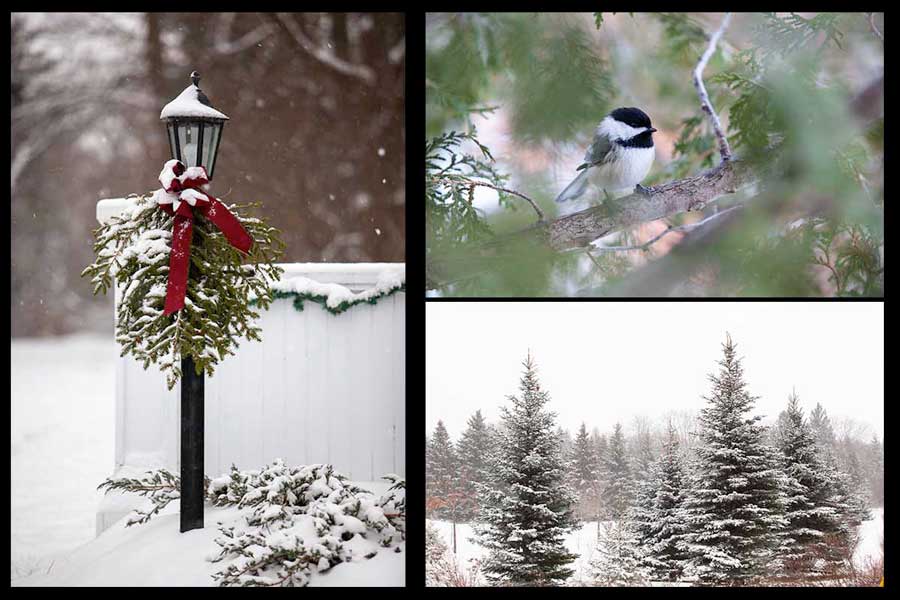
316 133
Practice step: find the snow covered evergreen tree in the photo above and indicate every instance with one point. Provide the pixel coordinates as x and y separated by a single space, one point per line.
565 443
525 517
848 498
659 515
583 474
473 450
816 536
876 471
616 561
601 449
821 426
618 484
642 452
734 508
440 472
853 487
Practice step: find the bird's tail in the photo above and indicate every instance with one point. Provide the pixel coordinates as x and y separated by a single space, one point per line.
574 189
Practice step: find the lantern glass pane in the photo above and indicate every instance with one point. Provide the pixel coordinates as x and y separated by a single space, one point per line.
189 134
211 133
173 145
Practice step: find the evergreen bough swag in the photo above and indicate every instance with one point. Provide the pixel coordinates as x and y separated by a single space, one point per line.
300 298
134 248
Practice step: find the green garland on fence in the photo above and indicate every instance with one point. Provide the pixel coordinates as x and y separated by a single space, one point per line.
300 298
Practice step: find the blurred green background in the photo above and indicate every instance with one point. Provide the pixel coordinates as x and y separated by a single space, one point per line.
513 100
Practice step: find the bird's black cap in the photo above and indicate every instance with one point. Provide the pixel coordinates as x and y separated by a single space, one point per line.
634 117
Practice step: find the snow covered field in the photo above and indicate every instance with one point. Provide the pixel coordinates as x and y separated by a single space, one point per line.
583 542
61 443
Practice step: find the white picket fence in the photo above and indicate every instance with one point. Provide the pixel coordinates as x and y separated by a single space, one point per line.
318 388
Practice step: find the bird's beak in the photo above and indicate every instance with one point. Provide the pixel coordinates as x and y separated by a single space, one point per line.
652 129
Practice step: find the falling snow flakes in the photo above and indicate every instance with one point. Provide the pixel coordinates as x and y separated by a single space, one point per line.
381 152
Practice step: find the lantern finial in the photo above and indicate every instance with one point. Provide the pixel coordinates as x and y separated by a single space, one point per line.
195 78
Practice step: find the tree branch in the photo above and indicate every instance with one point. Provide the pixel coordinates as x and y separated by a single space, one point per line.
705 103
686 228
579 229
683 195
466 181
875 29
361 72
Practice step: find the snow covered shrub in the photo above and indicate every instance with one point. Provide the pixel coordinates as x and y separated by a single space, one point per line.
441 567
134 248
160 486
300 520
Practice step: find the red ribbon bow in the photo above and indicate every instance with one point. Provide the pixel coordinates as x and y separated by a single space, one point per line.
183 190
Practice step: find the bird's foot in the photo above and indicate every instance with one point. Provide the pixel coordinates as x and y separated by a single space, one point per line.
644 191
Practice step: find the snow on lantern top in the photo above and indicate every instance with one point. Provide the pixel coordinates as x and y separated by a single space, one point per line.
192 102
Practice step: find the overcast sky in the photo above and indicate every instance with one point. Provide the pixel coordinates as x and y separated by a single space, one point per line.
603 362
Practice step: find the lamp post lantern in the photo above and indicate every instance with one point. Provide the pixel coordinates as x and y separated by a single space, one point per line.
195 130
194 127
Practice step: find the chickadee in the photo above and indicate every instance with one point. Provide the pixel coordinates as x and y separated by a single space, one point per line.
619 157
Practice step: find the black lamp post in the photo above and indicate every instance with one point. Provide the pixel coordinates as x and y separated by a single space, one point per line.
195 129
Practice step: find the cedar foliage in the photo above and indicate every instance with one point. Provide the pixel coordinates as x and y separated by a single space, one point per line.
782 83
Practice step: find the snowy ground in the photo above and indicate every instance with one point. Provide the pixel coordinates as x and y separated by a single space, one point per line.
61 443
871 539
583 542
62 446
156 554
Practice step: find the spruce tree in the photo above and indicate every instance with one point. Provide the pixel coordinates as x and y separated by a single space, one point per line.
815 534
440 472
583 474
852 484
876 471
823 431
734 509
601 449
660 517
525 517
616 561
473 450
642 453
618 485
847 499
